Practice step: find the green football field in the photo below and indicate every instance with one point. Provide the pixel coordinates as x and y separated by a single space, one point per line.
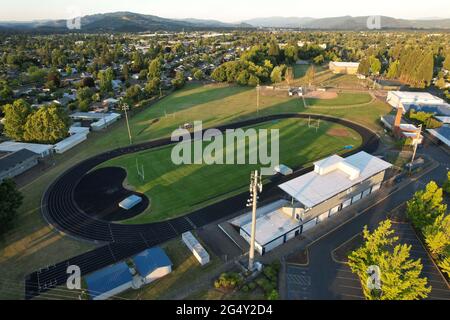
176 190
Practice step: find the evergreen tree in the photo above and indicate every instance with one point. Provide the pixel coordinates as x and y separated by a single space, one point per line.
154 70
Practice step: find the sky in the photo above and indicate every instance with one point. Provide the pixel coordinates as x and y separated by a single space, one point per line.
224 10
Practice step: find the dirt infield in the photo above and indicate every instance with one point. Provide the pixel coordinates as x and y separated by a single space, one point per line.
337 132
324 95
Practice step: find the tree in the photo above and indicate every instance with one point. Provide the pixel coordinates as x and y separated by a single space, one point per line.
426 206
88 82
375 65
85 94
243 77
393 72
106 77
15 118
154 70
133 93
446 186
179 80
10 200
274 50
152 86
446 64
47 125
291 54
445 266
126 72
276 75
199 75
319 59
437 236
310 75
253 81
399 275
364 67
54 79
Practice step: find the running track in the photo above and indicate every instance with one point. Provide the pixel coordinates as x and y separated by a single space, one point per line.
122 241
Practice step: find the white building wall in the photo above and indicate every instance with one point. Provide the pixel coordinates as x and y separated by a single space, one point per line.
157 274
114 292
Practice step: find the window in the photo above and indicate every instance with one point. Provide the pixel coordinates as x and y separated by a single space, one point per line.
357 198
335 210
376 188
347 203
366 193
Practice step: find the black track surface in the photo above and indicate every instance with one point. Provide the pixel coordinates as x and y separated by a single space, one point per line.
122 241
99 193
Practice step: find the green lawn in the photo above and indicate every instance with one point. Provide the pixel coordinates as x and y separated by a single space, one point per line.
176 190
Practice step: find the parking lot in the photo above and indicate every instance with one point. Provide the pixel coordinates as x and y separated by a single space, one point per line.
329 279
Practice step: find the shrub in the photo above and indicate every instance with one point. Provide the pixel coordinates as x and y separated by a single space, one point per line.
228 281
273 295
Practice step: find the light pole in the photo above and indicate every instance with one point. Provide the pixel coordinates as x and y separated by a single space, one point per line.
125 108
416 144
255 189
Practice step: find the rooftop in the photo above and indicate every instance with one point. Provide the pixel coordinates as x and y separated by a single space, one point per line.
345 64
107 279
12 146
11 160
271 226
442 133
332 176
149 260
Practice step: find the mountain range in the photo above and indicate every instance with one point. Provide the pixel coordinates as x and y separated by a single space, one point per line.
135 22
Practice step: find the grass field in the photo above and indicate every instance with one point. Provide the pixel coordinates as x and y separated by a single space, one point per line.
32 244
176 190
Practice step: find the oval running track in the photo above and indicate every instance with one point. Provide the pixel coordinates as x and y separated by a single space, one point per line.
122 241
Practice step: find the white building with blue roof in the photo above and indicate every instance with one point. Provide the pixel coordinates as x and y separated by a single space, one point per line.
152 264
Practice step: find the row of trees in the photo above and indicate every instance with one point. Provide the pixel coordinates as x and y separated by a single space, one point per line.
428 213
45 125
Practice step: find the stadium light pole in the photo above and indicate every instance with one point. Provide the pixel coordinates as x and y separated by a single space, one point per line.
125 108
416 144
255 189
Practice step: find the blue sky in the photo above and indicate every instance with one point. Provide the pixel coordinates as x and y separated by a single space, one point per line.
225 10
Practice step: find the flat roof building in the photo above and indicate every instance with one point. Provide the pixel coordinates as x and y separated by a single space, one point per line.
399 98
16 163
43 150
344 67
335 184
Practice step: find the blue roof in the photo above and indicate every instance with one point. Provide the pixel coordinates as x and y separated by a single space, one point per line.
130 202
107 279
149 260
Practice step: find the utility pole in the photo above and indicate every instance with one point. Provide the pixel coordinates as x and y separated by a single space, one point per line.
416 144
255 189
125 108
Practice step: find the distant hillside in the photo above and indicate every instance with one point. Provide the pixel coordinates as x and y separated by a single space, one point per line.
348 23
122 22
135 22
